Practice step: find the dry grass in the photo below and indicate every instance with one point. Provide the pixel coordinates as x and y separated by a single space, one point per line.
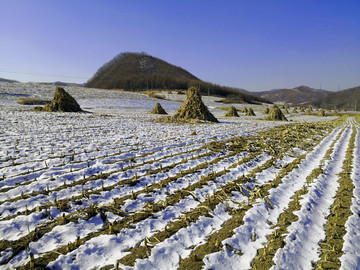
154 94
276 114
193 109
158 109
321 113
62 102
33 101
232 112
250 112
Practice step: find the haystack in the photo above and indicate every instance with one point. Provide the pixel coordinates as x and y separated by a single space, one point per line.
194 108
302 109
250 112
232 112
158 109
244 110
62 102
276 114
267 110
294 111
321 113
309 111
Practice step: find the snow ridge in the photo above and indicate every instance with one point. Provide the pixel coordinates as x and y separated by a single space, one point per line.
301 248
351 257
256 218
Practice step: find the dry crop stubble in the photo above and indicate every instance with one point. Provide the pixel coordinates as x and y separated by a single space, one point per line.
201 175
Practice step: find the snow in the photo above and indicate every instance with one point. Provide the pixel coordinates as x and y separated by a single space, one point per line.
256 219
168 253
54 152
351 257
305 234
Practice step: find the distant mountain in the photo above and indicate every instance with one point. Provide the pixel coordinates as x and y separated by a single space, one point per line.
9 81
348 99
295 96
58 83
140 71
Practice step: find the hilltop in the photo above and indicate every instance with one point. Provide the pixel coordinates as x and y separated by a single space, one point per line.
137 71
140 71
296 96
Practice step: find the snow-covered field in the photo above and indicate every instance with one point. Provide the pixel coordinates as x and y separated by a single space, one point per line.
113 189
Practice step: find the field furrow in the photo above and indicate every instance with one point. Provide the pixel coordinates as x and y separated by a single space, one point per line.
90 191
125 155
55 181
170 195
275 240
240 243
305 234
332 245
196 231
350 255
102 198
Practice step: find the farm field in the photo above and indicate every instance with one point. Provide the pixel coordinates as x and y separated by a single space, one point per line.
113 189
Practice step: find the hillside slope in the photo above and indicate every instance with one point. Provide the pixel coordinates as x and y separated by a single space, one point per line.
140 71
7 80
295 96
348 99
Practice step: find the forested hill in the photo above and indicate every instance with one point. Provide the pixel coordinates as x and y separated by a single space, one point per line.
295 96
348 99
140 71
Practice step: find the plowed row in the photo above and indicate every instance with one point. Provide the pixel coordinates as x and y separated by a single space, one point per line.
116 192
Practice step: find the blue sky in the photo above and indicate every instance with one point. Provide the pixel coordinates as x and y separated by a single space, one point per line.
251 44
